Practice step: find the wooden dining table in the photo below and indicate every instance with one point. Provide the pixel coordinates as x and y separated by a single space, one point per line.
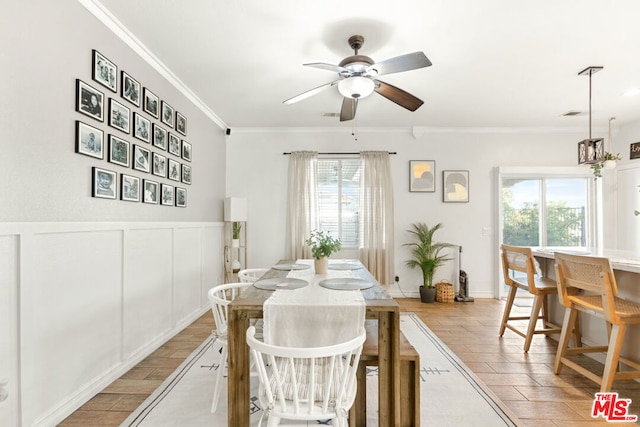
378 305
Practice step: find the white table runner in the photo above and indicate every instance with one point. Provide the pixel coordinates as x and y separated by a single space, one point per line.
313 316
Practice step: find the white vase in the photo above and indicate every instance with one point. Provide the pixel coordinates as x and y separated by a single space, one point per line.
321 265
609 164
235 243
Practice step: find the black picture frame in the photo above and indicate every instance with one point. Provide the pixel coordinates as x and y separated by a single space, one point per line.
141 128
103 183
173 170
130 89
129 188
167 195
104 71
119 152
141 159
186 150
119 116
186 174
174 144
159 165
150 191
89 101
89 140
455 186
181 123
167 116
181 197
150 103
159 137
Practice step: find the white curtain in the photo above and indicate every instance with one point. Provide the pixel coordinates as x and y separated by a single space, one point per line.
376 215
302 202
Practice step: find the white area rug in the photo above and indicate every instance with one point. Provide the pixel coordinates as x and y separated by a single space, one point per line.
451 395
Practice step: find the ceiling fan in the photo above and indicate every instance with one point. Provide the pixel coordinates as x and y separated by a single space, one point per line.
358 79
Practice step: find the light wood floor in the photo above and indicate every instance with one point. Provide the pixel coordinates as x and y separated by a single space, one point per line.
525 382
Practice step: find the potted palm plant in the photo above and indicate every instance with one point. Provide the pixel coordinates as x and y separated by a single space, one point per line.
322 245
426 255
235 231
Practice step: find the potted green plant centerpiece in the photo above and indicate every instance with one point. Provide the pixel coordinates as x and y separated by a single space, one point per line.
322 245
426 255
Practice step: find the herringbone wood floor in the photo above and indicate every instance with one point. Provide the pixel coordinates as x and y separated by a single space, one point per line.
525 382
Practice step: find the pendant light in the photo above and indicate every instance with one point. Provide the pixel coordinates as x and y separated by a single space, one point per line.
590 150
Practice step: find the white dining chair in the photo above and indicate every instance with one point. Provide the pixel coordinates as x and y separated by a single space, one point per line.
316 383
250 275
220 297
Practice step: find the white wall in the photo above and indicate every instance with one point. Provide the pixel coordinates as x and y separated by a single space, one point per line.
93 285
258 170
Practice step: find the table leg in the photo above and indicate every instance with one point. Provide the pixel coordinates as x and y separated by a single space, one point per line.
238 369
389 368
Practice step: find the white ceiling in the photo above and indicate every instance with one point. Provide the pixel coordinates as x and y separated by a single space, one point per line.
496 63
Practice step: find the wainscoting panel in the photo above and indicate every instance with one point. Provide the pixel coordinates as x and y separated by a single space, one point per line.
94 299
147 297
9 249
70 297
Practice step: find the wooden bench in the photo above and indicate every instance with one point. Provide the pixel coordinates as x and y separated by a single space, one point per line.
409 380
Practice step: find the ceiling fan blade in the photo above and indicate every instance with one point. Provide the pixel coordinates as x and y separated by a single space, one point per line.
348 111
397 95
409 61
307 94
330 67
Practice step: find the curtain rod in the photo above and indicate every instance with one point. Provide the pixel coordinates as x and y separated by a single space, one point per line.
336 154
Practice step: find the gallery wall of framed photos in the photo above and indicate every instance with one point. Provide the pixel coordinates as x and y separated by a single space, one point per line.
135 137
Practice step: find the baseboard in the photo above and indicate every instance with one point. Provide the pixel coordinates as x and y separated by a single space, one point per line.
73 403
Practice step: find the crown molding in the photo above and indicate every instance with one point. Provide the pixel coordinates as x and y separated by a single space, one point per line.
111 22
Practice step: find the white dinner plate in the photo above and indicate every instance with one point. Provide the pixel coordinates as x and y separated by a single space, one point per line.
280 283
289 267
344 265
346 284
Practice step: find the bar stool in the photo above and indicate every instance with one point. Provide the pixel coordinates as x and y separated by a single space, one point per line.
587 284
517 259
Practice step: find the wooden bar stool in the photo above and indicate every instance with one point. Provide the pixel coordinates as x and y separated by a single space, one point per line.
517 259
587 284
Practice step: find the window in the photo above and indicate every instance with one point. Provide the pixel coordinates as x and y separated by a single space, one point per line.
547 207
339 199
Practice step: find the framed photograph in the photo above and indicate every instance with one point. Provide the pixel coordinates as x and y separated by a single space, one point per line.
118 151
455 186
119 116
159 137
129 188
167 192
151 103
150 191
186 150
167 114
174 145
186 174
89 140
141 159
159 165
181 123
181 197
141 127
173 171
105 72
130 89
89 100
103 183
422 176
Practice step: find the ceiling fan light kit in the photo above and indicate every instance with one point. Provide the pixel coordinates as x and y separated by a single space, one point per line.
357 79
